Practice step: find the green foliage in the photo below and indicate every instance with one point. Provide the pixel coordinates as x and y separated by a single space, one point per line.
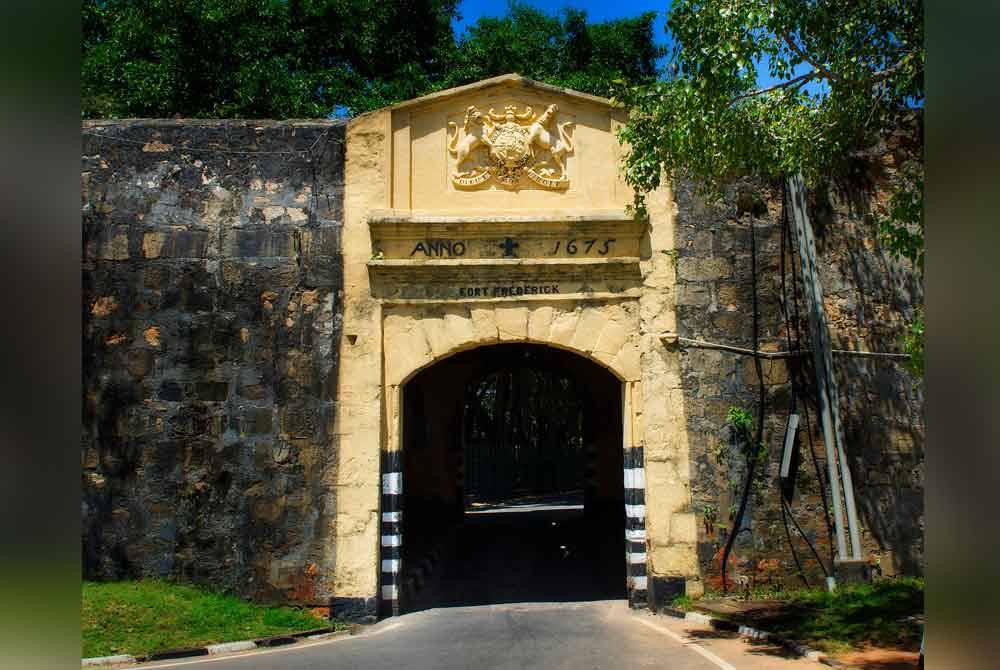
901 229
562 50
740 419
856 615
307 58
901 222
848 75
257 58
709 514
709 121
853 616
743 423
142 617
913 344
684 602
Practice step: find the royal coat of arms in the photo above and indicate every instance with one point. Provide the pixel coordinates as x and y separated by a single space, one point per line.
515 143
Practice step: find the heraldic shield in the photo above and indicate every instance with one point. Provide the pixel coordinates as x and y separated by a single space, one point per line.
512 142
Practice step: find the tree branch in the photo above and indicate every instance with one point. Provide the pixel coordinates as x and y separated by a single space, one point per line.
832 76
805 58
889 71
795 82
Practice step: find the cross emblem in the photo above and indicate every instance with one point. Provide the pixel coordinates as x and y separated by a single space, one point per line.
508 247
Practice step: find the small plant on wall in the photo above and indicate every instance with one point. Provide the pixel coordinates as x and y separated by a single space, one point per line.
710 514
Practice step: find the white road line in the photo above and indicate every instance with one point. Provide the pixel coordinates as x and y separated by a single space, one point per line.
255 654
725 665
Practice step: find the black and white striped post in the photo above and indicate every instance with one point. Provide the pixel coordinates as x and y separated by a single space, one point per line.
635 526
392 530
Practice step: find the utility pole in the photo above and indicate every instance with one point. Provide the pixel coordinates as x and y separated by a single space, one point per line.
829 401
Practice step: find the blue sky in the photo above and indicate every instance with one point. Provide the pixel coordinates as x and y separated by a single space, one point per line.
597 10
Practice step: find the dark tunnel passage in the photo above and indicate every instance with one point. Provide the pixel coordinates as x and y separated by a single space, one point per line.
512 471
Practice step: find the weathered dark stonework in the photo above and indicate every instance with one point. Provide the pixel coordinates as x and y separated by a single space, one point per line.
869 298
212 307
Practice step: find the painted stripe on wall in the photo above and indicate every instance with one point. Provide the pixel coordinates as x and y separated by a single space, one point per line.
392 483
635 478
392 527
635 511
635 496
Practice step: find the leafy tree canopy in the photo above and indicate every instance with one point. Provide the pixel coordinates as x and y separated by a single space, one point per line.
563 50
308 58
847 73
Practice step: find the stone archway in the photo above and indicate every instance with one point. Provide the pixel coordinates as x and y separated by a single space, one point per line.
417 338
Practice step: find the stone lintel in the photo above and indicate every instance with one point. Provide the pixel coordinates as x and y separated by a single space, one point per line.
598 296
500 262
395 217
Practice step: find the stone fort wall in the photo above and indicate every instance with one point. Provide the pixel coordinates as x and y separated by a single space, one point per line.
214 297
212 307
869 298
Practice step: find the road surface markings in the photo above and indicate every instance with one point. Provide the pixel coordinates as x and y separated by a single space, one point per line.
725 665
255 654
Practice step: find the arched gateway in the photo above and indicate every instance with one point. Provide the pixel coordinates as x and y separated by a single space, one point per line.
484 224
314 351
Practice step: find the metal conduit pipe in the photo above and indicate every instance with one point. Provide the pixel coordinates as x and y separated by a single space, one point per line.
673 338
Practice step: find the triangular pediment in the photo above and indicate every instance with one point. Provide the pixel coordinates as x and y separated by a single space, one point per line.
508 143
511 80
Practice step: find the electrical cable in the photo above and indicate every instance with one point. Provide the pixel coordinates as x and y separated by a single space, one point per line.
788 536
785 510
753 452
812 548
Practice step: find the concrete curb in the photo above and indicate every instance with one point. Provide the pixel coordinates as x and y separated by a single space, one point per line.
221 648
751 633
229 647
109 660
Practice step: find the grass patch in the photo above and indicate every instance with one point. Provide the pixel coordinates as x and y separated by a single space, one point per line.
143 617
852 617
682 603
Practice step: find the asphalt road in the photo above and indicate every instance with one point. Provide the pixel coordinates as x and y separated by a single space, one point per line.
577 636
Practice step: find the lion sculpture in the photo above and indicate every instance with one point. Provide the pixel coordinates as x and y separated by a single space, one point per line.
557 147
477 131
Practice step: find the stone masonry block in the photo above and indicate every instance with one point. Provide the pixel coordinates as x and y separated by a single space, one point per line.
588 329
512 323
484 325
563 327
539 323
691 268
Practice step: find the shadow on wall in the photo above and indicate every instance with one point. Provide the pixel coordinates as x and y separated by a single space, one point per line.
211 325
871 298
868 300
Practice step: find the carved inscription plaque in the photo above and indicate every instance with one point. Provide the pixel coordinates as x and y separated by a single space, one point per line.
428 258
